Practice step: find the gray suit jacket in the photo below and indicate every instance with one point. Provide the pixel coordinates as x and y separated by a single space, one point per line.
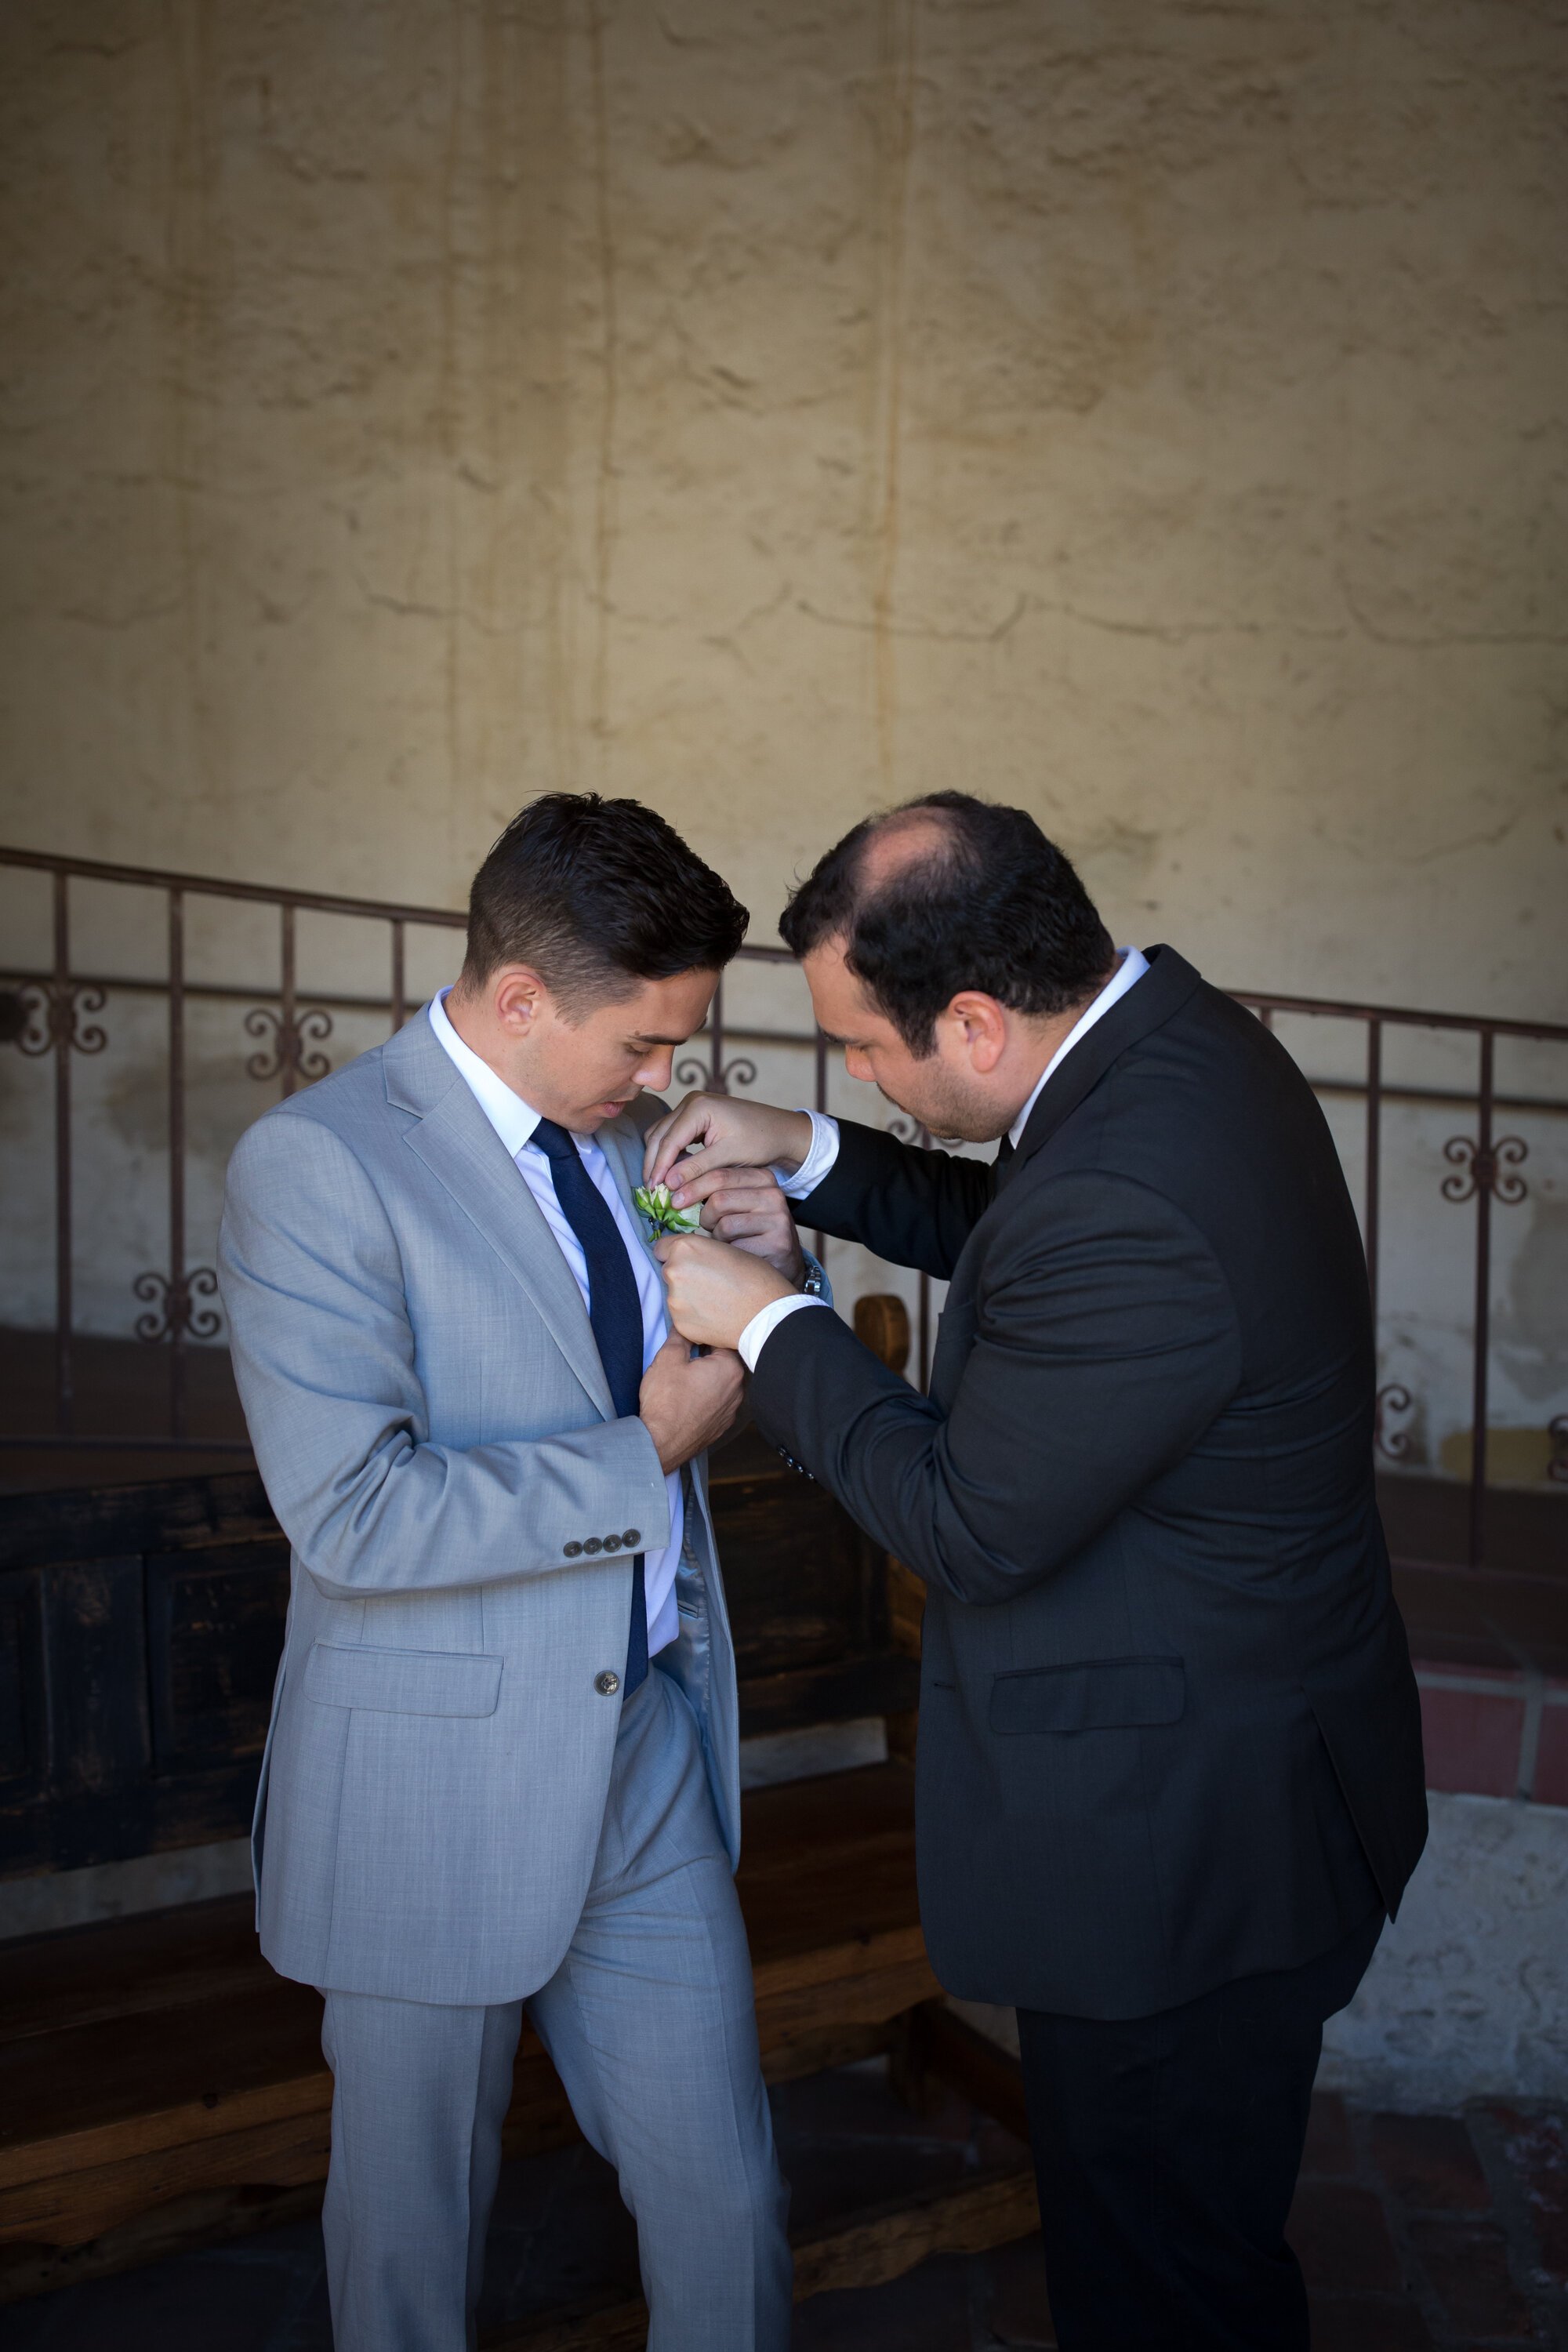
434 1428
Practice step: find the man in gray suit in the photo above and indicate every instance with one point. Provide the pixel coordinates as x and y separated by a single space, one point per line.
488 1452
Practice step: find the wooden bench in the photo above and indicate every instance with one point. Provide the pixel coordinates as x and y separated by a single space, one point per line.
160 2088
159 2085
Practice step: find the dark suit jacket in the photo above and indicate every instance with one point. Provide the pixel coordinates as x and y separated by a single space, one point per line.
1169 1732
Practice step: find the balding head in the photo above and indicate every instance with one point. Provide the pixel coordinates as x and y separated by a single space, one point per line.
950 893
895 843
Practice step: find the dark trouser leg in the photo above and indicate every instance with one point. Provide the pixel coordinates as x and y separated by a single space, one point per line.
1166 2149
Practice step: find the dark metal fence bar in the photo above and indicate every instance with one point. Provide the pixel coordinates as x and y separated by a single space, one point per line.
62 1024
399 974
1481 1180
1333 1008
208 886
43 1010
1374 1156
178 1318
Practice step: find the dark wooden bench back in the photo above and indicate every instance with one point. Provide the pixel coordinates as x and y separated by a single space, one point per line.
141 1628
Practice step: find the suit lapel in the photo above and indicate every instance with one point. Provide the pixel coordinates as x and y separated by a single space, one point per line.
461 1148
1148 1004
623 1149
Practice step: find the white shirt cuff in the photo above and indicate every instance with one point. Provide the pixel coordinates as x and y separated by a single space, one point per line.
767 1321
824 1152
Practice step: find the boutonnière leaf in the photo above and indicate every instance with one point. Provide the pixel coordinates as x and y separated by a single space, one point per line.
654 1204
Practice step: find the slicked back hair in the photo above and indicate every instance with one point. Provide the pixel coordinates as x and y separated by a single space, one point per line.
595 896
991 904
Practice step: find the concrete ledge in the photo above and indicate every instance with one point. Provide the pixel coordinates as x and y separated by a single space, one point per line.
114 1890
1467 1996
153 1882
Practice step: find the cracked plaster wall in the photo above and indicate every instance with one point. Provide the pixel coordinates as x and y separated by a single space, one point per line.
1152 412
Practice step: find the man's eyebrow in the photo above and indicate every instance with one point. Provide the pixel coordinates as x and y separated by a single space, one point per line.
646 1037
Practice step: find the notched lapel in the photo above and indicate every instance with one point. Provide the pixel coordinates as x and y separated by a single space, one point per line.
460 1147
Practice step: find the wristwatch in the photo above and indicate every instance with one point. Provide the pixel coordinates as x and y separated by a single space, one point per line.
814 1285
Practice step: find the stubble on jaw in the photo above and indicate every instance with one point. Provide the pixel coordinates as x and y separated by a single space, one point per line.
949 1115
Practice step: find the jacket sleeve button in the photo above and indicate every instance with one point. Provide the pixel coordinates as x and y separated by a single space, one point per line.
612 1543
592 1544
572 1551
632 1538
606 1683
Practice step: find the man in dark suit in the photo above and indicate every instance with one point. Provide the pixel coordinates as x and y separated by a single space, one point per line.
1170 1777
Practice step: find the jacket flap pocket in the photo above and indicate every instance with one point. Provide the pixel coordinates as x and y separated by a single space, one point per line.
402 1681
1098 1694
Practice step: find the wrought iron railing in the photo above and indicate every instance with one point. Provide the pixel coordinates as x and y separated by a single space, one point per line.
57 1006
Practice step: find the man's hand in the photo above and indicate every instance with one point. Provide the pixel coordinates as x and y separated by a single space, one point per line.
689 1401
713 1290
744 1206
731 1134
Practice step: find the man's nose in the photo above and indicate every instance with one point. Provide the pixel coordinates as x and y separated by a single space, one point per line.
655 1071
856 1065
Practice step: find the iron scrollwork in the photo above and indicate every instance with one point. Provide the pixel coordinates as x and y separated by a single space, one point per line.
172 1310
741 1072
51 1018
1392 1445
288 1043
1485 1171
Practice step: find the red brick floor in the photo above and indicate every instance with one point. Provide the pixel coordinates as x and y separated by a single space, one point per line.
1425 2233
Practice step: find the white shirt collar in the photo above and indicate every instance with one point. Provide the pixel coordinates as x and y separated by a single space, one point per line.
1134 965
510 1116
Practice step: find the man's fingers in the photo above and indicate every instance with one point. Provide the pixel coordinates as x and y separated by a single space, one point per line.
740 1224
739 1205
715 1160
688 1122
723 1185
656 1155
675 1350
692 1180
722 1194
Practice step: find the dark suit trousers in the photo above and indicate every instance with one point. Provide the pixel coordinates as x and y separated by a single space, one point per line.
1166 2149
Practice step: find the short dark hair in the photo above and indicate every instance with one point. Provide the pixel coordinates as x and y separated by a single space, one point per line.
597 895
992 905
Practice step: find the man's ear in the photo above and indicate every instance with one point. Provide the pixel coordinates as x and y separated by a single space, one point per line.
518 997
981 1028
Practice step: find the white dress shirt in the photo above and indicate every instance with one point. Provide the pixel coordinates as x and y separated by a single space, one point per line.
823 1149
514 1122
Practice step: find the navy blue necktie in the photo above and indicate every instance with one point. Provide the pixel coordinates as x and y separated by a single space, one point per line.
615 1310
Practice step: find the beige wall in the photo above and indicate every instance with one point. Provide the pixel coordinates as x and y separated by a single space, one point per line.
1152 413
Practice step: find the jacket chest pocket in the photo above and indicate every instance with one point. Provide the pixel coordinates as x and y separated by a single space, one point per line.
1096 1695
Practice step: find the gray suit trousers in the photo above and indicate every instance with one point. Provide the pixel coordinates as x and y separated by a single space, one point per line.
651 2024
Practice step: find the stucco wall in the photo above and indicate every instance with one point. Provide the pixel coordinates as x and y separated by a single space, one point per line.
1152 411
